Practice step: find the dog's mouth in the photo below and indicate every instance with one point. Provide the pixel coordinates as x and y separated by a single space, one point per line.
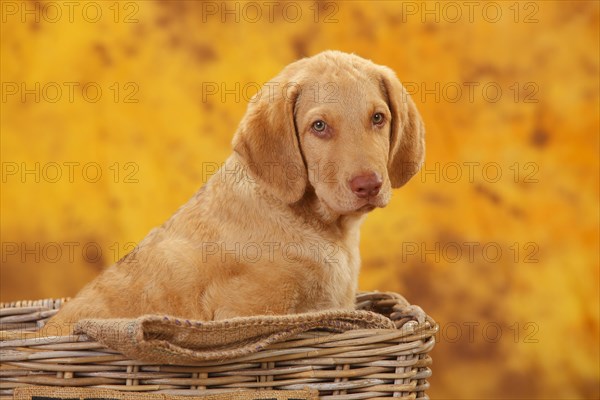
361 208
354 205
367 207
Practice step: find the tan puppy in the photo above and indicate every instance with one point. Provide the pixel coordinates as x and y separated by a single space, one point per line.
276 229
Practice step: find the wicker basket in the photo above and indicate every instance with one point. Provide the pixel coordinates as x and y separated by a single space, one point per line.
360 364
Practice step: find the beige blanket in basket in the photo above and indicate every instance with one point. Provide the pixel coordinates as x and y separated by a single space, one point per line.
168 340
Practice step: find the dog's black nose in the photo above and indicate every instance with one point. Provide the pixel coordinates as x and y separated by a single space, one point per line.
366 185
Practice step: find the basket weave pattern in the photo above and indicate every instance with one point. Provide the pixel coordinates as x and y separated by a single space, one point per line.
358 364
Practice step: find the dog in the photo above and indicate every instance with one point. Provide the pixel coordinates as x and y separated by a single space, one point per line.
276 229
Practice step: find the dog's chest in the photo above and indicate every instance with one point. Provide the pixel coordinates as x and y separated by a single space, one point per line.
340 268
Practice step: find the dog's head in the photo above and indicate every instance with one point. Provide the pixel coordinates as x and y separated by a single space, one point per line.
338 123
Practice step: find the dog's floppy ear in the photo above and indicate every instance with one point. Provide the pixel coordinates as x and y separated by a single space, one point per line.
267 142
407 138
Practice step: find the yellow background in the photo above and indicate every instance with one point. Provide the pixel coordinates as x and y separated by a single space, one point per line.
540 133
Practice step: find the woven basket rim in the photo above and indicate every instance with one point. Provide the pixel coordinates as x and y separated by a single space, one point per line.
357 364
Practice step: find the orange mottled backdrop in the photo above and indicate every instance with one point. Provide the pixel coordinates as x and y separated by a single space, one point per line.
114 113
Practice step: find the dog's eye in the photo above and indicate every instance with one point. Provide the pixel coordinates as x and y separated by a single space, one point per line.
319 126
378 118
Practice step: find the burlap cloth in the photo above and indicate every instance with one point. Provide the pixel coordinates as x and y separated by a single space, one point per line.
71 393
169 340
